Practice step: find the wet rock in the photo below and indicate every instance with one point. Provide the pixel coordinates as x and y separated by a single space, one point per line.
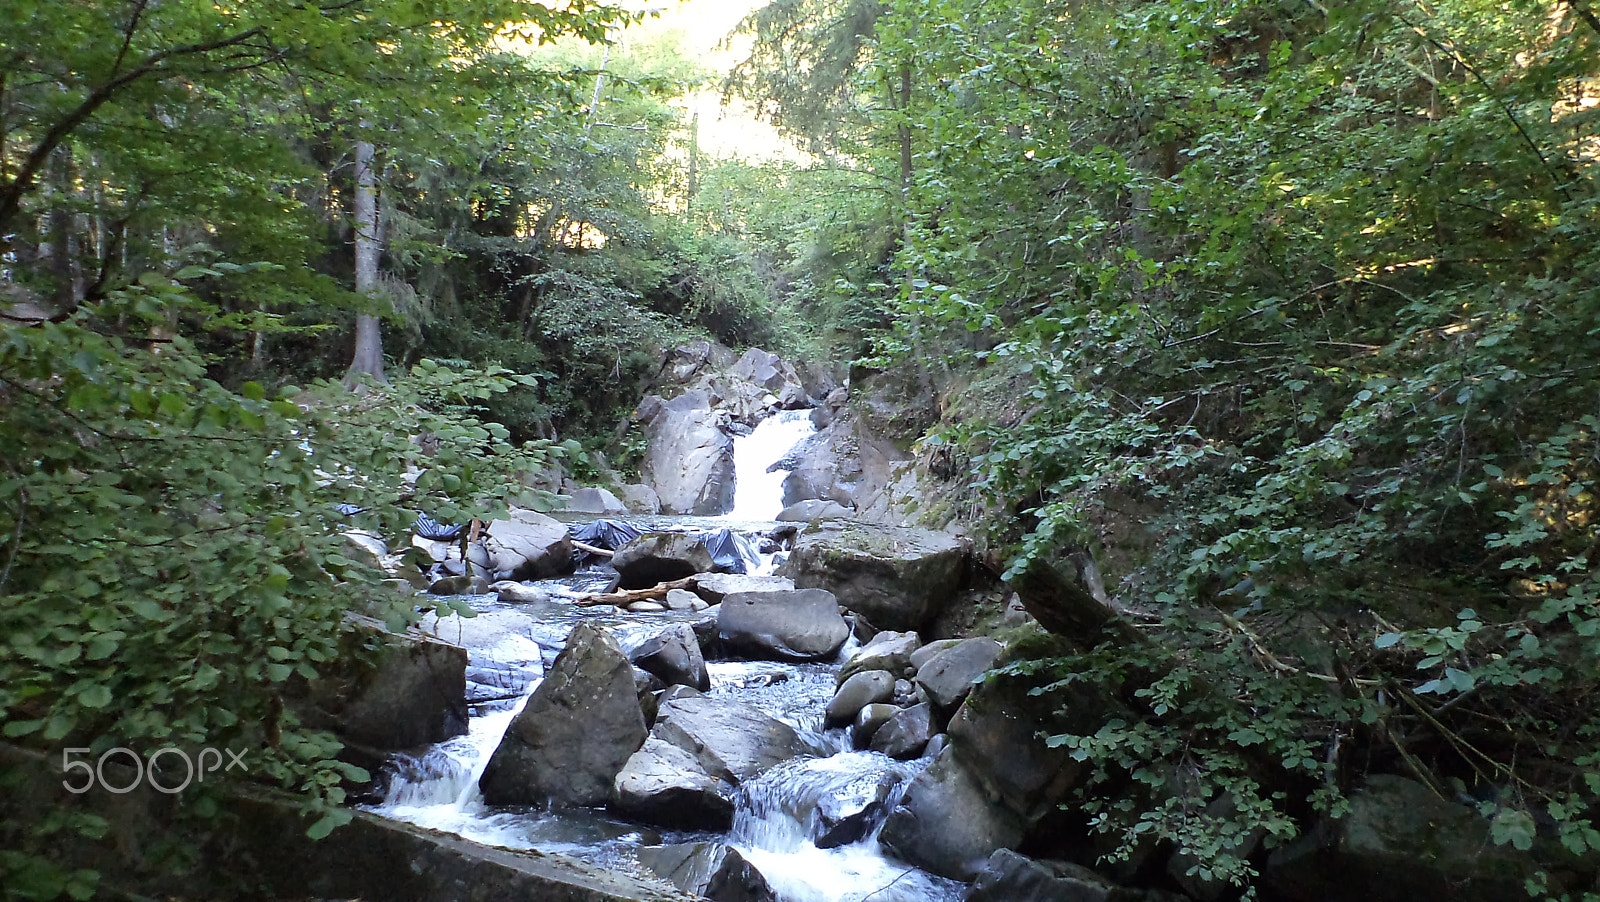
868 721
646 607
898 578
905 694
1009 877
458 585
948 676
639 499
674 656
906 734
713 587
529 546
707 634
802 625
366 547
936 745
681 600
517 593
737 880
921 655
814 509
414 694
690 457
731 741
996 733
863 689
594 500
1399 842
888 651
576 731
660 557
947 824
664 785
848 816
688 866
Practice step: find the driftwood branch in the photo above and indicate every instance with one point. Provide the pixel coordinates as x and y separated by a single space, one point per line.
629 596
591 549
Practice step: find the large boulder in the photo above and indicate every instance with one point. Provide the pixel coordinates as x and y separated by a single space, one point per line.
896 577
814 509
660 557
594 500
772 373
689 461
411 693
528 546
714 587
639 499
665 785
1009 877
1399 842
576 731
996 734
731 741
946 823
947 677
802 625
674 656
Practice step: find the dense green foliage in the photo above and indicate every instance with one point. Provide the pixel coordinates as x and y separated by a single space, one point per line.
1289 313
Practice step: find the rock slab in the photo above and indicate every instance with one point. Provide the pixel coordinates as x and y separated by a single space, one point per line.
896 577
802 625
575 733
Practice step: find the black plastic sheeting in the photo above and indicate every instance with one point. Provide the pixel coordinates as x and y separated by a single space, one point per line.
607 534
731 552
429 528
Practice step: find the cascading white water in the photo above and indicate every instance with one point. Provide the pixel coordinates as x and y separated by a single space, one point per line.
841 802
758 494
781 816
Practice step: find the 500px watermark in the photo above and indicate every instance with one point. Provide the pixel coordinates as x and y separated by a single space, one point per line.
163 761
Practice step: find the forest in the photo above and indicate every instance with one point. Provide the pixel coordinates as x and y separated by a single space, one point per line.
1283 313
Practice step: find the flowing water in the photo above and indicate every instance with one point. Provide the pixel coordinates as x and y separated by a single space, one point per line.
781 815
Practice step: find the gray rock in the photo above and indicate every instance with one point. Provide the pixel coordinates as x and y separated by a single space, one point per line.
663 784
849 815
737 880
528 547
921 655
414 694
366 547
688 866
639 499
594 500
898 578
1399 842
732 742
1009 877
814 509
682 600
997 735
936 745
802 625
947 824
646 607
887 650
517 593
868 721
660 557
575 733
689 461
674 656
436 550
714 587
863 689
906 734
905 694
949 675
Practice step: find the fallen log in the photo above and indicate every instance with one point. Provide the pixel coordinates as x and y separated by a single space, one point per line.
591 549
629 596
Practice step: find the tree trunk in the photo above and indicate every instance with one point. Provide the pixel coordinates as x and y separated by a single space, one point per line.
368 358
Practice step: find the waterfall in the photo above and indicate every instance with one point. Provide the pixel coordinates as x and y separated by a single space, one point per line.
758 493
810 826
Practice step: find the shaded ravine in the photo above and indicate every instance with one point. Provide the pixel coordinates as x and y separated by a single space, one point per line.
780 815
